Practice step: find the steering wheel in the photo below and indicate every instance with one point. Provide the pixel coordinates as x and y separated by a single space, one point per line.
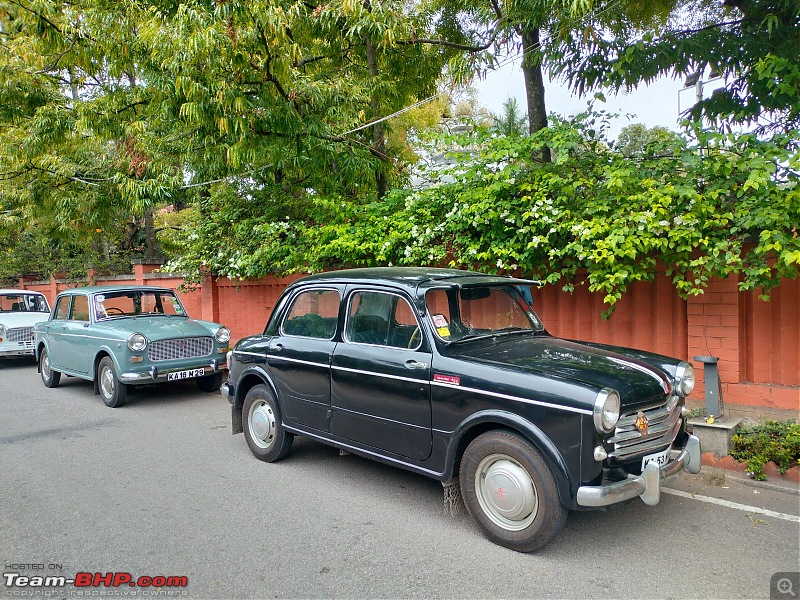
115 310
415 338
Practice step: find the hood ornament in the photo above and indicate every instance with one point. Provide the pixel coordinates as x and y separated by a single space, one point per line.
641 423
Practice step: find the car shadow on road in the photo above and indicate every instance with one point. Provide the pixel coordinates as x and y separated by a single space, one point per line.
369 478
164 393
17 363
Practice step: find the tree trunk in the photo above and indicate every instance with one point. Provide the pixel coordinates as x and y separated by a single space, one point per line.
534 84
151 249
378 132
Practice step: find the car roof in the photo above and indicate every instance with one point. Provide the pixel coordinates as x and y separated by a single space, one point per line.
100 289
411 278
18 291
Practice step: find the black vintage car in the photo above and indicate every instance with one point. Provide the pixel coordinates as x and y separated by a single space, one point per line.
452 375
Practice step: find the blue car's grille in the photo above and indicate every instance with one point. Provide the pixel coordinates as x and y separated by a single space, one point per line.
179 348
20 334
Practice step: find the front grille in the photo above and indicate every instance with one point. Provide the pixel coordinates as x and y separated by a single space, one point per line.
663 422
20 334
179 348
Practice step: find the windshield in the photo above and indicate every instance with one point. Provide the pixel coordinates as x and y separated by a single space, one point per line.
479 311
131 303
10 303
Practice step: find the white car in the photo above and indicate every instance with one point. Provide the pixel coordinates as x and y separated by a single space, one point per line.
20 310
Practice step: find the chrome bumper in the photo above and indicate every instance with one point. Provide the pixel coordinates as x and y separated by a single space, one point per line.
21 352
648 484
155 375
226 390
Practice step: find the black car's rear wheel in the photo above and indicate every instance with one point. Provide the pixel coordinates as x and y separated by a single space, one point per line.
112 390
50 377
509 490
209 383
261 422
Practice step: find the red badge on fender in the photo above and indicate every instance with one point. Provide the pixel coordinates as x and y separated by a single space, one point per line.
450 379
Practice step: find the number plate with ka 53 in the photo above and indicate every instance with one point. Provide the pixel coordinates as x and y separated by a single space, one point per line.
660 458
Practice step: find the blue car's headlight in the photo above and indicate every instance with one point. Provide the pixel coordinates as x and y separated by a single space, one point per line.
137 342
223 335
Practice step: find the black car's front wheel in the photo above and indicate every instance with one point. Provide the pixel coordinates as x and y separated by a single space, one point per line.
50 377
509 490
112 390
266 437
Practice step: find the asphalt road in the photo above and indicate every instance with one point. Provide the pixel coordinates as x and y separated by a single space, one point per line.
161 487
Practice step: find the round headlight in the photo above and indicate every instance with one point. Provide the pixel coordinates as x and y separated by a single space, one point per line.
223 335
684 378
606 410
137 342
2 330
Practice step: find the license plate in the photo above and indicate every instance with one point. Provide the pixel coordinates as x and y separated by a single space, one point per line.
188 374
660 458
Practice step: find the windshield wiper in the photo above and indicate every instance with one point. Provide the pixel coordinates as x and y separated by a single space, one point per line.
471 336
495 333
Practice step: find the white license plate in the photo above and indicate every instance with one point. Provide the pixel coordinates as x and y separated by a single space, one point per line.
188 374
660 458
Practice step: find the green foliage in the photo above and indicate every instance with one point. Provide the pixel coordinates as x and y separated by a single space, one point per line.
638 140
777 441
724 205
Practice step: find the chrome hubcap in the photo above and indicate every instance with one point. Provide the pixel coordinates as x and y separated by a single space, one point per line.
45 365
506 492
262 424
107 382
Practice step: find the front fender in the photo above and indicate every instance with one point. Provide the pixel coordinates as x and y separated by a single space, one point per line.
98 355
37 351
487 420
249 377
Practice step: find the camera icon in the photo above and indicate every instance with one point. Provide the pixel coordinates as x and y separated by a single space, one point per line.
785 586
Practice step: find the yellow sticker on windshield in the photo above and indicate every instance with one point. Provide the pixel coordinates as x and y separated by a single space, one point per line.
443 331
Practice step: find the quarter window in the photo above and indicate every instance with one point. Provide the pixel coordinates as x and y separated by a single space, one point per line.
62 308
381 319
313 314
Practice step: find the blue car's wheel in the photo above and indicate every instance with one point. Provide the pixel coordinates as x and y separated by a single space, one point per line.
111 389
50 377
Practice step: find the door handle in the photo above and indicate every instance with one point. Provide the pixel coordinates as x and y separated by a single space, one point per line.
276 347
412 364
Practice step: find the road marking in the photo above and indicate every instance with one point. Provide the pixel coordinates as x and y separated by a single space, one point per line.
737 506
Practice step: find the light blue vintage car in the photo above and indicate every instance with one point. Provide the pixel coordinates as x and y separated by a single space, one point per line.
118 336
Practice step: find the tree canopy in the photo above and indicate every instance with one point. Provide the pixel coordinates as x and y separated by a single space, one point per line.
752 44
252 136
